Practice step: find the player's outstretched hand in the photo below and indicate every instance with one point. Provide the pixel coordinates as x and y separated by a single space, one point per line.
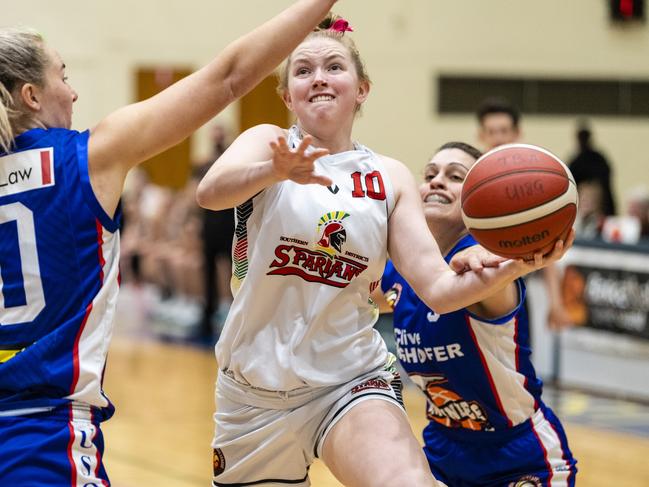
475 258
540 260
297 165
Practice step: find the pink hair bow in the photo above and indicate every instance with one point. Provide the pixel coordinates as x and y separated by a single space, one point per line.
342 26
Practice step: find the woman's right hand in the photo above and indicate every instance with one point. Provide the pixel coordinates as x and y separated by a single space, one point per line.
540 260
297 165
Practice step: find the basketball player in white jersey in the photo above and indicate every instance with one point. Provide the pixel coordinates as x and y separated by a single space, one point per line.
303 374
59 236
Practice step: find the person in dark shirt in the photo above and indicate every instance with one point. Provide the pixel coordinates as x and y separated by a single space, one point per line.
217 233
591 165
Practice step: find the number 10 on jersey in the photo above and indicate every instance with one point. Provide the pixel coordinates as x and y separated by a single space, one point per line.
370 185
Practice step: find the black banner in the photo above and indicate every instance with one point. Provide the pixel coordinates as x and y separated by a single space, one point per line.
604 292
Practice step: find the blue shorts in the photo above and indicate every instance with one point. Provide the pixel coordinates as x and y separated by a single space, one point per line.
532 454
62 447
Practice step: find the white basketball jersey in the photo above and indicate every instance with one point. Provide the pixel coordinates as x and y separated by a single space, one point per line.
305 259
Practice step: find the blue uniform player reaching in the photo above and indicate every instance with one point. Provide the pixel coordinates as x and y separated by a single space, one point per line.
488 425
59 235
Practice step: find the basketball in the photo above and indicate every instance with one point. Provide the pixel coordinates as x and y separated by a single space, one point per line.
518 199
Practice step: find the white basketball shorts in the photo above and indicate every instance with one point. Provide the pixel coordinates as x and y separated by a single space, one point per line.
270 438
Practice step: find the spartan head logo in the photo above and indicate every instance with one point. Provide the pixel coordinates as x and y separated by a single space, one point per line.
331 233
333 236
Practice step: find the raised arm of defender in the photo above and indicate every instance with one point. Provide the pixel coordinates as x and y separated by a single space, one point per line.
139 131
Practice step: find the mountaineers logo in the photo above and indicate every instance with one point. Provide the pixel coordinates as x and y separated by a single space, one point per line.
448 408
332 233
325 262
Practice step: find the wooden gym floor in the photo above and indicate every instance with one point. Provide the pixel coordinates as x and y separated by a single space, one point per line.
161 432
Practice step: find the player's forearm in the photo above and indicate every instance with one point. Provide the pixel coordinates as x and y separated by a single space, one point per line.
254 56
172 115
228 186
449 291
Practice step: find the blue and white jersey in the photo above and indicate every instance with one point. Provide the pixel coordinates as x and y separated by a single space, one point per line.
59 254
476 373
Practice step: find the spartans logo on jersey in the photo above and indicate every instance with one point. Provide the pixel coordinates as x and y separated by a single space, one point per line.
331 233
325 262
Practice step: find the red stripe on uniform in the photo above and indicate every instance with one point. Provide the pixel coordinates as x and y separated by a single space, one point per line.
564 456
545 455
517 352
98 455
73 476
488 373
45 167
75 351
100 251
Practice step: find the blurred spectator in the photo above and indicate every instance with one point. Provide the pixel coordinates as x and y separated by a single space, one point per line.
132 230
591 165
182 252
498 123
178 250
161 252
637 206
217 233
590 211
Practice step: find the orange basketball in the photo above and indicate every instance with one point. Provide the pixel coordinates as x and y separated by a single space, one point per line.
518 199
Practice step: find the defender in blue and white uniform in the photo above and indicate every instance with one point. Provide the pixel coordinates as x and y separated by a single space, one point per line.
59 254
59 236
488 424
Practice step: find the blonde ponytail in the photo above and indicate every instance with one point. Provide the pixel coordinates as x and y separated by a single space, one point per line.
6 110
22 60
